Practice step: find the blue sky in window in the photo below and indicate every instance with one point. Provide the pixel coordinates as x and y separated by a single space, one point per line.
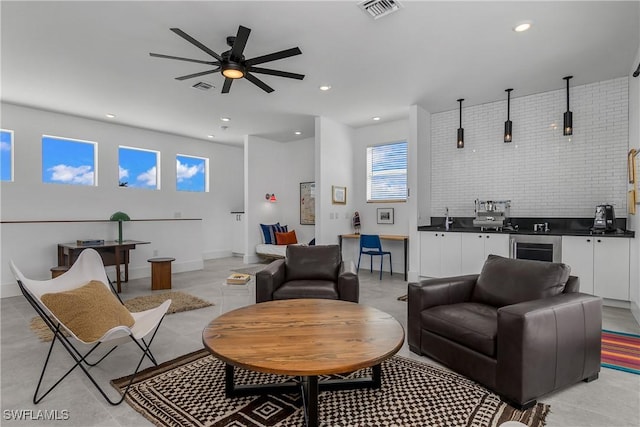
6 146
190 173
66 161
137 168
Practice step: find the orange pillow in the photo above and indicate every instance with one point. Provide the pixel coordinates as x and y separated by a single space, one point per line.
286 238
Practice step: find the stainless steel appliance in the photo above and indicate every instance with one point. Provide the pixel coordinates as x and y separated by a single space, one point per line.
604 218
536 247
491 214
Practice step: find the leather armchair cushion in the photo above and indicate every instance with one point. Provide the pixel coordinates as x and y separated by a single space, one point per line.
507 281
312 262
306 289
470 324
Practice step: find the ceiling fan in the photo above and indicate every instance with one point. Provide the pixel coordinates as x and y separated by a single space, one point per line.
232 63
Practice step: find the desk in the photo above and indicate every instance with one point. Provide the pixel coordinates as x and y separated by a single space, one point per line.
112 253
404 239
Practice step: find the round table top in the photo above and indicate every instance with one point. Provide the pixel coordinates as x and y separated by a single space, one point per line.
161 259
304 337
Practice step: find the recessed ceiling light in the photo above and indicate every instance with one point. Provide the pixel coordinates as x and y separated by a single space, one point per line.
325 87
210 136
522 27
225 119
376 118
298 132
111 116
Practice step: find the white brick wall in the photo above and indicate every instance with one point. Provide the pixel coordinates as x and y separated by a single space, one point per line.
543 173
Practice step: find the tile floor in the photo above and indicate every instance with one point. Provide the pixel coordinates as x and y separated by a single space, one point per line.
612 400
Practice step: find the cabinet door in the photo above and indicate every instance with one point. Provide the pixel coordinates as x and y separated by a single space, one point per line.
611 267
238 233
496 244
577 253
430 254
450 250
472 253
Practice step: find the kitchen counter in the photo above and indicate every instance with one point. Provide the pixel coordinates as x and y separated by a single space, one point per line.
557 227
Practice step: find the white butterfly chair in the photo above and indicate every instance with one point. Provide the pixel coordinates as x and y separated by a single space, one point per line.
88 266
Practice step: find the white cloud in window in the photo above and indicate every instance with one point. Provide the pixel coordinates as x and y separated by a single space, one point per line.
71 174
5 146
123 173
148 177
186 172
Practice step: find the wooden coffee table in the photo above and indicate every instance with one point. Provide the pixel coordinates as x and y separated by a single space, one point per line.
304 338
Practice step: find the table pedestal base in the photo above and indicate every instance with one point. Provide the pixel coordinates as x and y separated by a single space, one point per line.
308 386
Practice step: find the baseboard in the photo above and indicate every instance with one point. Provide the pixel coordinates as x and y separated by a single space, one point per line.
8 290
251 259
616 303
216 254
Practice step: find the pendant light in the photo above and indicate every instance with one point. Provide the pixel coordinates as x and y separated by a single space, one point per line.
508 125
568 115
460 142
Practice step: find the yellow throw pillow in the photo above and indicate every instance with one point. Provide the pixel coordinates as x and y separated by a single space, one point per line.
89 311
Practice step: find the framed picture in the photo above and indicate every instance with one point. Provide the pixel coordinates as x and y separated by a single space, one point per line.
385 215
338 195
307 203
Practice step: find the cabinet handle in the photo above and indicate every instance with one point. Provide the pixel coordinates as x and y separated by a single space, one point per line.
479 237
488 237
599 240
588 240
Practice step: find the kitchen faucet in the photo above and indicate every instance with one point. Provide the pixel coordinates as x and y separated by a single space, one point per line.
447 221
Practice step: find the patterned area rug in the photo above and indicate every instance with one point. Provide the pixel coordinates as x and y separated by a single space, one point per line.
621 351
249 270
190 391
180 301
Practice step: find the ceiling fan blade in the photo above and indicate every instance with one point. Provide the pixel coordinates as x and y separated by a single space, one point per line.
273 56
276 73
203 73
196 43
256 81
227 85
158 55
240 43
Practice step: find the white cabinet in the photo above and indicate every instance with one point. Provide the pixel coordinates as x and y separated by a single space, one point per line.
440 254
237 244
601 263
476 247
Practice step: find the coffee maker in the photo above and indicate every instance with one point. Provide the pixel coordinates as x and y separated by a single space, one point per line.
604 219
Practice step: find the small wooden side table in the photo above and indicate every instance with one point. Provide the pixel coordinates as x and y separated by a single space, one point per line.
160 273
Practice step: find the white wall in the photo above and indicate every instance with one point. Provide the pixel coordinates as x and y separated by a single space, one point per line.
634 220
334 166
364 137
541 171
27 198
279 168
419 181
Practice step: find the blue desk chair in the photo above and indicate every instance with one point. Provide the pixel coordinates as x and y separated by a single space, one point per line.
370 245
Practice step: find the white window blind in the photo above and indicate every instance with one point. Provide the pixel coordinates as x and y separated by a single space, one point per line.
387 172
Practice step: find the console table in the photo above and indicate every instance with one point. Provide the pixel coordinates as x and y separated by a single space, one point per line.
396 237
112 253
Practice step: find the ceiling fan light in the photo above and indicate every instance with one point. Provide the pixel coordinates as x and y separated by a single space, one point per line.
233 71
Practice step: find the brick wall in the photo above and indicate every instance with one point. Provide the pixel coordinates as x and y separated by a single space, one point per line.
542 172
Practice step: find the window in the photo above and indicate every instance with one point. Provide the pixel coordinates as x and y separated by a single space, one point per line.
138 168
6 155
387 172
192 173
69 161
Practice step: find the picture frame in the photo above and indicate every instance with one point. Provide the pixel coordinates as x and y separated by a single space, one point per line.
338 195
307 203
385 215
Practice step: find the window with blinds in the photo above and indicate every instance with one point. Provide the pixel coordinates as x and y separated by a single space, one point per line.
387 172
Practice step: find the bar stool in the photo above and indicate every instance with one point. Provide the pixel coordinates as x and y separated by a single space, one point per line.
160 273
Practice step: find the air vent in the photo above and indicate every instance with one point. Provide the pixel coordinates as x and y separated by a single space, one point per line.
379 8
202 86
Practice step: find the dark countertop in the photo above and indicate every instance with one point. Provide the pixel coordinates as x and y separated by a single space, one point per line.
557 227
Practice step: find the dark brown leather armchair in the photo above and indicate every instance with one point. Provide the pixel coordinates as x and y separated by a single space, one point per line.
308 272
520 327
